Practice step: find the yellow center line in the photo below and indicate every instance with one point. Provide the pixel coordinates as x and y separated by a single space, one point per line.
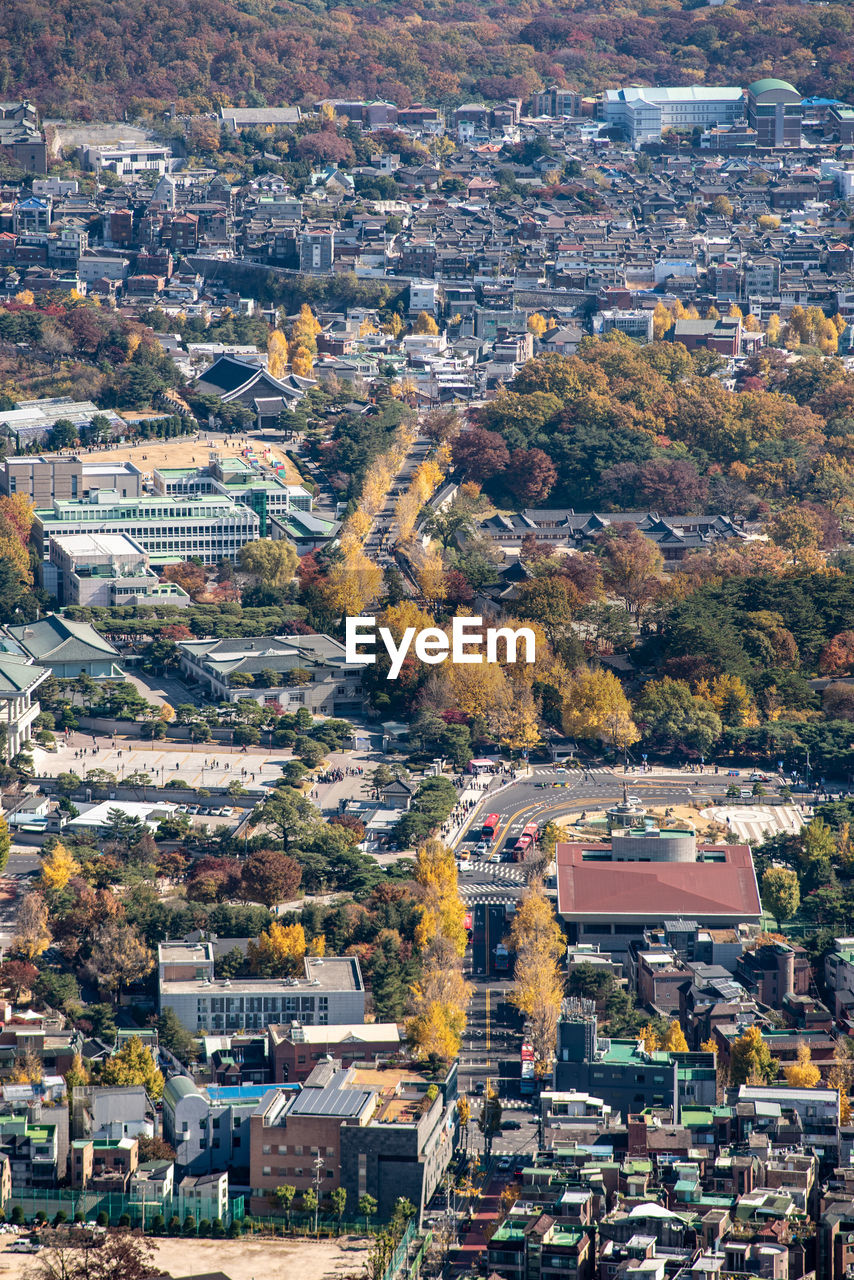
487 1019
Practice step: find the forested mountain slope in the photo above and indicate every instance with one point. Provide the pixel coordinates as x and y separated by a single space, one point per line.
105 57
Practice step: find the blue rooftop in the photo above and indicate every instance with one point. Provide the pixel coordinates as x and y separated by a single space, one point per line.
242 1092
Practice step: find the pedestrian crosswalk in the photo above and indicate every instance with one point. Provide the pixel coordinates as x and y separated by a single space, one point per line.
475 894
496 870
551 772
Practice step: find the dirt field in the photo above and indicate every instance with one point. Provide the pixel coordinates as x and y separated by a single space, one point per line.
184 451
241 1259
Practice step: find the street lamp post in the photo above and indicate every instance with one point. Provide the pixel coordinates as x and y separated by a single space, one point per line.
318 1165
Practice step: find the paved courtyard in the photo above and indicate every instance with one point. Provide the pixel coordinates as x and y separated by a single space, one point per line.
211 766
203 765
754 823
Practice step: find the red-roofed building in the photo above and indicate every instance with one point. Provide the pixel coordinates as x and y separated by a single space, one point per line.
609 893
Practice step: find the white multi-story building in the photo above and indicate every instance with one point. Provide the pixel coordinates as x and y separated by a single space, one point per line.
638 324
105 570
168 529
128 157
644 112
330 991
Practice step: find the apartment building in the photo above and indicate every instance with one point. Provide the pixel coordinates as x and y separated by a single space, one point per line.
34 1148
556 102
168 529
317 250
330 991
839 976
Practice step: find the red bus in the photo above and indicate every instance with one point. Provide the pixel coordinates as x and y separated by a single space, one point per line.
489 830
529 836
527 1067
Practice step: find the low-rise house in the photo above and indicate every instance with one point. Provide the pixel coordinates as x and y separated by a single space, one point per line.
112 1112
104 1164
205 1196
295 1049
152 1186
542 1249
238 1059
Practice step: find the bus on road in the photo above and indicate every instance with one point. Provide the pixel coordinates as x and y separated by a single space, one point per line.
529 837
489 830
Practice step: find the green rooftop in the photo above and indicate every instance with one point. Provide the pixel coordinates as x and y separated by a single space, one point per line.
769 83
505 1233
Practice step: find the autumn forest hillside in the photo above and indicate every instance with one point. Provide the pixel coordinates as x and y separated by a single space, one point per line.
85 58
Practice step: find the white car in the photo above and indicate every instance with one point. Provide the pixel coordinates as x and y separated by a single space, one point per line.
634 800
504 1163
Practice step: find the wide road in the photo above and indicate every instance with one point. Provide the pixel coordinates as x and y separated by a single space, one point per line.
567 792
